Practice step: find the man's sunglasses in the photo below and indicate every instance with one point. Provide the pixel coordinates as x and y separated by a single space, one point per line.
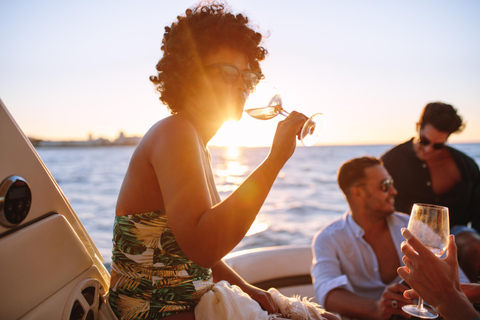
231 74
385 185
425 142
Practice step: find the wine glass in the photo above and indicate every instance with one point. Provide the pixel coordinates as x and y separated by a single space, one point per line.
430 224
264 103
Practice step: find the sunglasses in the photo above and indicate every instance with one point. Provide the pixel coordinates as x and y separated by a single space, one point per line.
425 142
385 185
231 74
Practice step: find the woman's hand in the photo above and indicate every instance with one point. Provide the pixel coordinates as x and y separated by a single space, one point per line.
434 279
285 140
222 271
431 277
266 301
263 297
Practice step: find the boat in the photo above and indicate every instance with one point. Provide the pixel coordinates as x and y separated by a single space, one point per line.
286 268
50 267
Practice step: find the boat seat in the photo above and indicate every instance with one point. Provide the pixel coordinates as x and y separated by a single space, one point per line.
286 268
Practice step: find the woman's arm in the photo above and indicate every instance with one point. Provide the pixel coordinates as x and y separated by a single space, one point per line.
207 232
222 271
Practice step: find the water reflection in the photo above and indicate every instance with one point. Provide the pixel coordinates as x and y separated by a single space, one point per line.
230 173
233 152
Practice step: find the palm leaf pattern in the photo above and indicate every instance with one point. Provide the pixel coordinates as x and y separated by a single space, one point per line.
151 277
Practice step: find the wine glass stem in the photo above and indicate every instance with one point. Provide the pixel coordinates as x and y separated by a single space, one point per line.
283 113
420 303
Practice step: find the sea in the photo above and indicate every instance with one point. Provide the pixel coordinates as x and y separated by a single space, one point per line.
304 198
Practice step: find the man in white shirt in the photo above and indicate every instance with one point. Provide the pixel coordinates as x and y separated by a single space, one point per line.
356 257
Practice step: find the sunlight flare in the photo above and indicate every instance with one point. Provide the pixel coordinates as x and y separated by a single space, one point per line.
257 227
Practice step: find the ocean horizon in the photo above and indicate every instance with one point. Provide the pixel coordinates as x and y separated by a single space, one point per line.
304 198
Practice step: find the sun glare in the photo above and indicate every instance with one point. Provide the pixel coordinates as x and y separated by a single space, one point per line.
233 170
250 132
247 132
233 152
257 227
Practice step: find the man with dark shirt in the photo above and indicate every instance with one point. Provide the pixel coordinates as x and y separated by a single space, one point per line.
425 170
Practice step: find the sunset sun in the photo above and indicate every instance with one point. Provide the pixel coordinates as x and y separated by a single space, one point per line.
247 132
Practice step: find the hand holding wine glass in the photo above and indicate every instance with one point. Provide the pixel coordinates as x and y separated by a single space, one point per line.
437 280
430 225
265 103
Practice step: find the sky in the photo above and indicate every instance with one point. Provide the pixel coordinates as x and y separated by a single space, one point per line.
73 68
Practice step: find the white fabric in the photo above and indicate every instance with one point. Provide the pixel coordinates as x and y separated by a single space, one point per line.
227 302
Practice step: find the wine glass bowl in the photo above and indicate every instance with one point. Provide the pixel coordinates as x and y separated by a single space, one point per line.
267 112
430 224
264 103
313 129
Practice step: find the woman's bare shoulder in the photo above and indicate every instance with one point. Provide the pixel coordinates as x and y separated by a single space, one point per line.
174 137
172 125
170 131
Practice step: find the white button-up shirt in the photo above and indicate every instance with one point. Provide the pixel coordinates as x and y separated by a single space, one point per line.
343 259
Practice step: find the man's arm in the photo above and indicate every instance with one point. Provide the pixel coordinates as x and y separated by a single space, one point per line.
472 291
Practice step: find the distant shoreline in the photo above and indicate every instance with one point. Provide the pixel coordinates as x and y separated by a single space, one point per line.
77 144
107 143
121 140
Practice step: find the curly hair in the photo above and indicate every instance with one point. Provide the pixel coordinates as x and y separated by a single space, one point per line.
201 31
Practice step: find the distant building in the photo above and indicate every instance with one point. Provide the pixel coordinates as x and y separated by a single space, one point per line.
122 140
126 141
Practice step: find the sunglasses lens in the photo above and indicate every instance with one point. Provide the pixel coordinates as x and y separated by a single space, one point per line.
424 141
230 73
437 146
386 185
251 79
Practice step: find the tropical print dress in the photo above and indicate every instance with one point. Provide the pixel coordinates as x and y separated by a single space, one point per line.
151 277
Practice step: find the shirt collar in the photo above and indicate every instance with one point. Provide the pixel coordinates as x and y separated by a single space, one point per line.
355 227
357 230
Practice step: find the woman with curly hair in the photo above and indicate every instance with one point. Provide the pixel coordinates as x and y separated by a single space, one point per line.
171 228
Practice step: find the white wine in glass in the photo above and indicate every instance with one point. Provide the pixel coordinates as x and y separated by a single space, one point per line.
430 224
265 103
